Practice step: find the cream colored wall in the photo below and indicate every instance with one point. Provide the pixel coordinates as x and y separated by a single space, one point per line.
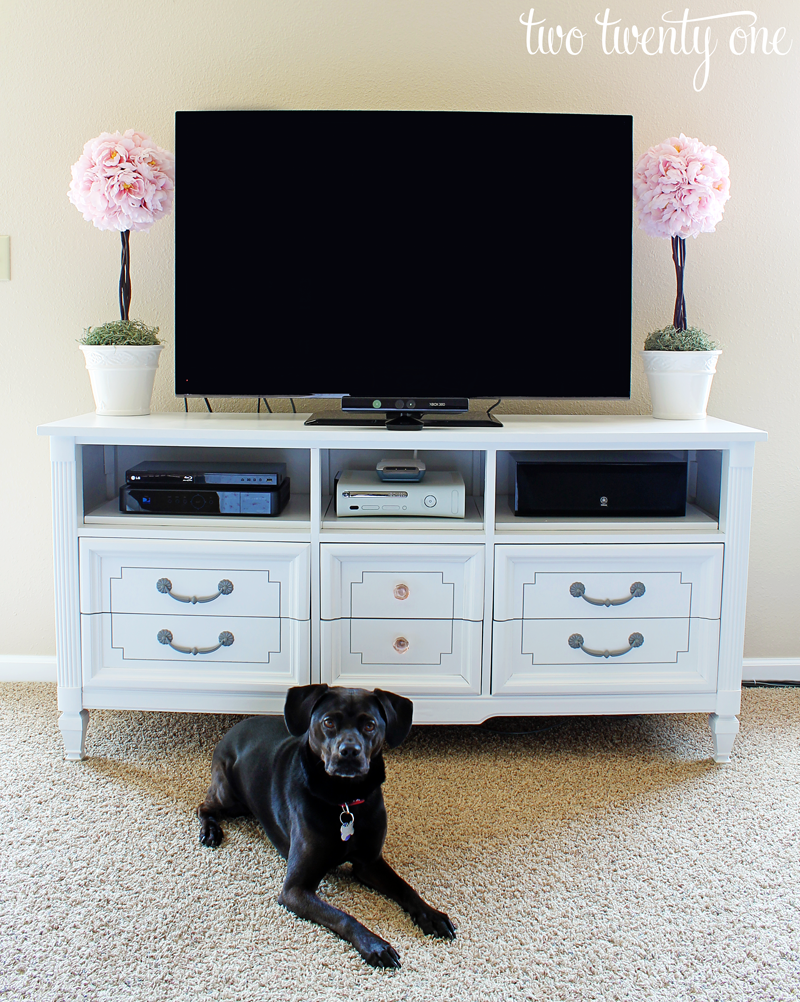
72 70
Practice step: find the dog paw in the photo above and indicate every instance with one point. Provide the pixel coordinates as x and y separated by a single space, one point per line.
211 833
379 953
435 923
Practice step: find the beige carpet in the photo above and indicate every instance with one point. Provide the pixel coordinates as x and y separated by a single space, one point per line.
602 859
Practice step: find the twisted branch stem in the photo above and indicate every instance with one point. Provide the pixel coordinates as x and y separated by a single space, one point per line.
125 276
679 257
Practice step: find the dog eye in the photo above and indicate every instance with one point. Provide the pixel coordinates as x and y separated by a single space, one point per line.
329 723
368 726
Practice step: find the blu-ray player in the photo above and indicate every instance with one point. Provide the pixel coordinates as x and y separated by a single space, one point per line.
165 474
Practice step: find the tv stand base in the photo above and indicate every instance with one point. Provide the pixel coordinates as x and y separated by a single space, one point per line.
471 618
404 421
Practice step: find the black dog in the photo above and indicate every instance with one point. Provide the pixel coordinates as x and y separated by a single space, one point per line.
318 796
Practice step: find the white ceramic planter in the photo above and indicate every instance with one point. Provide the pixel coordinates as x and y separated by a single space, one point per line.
680 382
122 377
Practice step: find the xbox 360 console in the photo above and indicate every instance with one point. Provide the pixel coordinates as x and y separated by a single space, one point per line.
166 474
600 484
362 492
231 499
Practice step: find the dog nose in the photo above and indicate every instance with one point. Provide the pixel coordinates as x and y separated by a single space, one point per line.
349 749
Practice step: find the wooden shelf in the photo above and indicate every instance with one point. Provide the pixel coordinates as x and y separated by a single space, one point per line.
695 520
296 515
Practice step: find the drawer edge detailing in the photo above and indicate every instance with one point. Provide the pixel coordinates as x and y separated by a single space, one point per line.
105 666
698 567
689 665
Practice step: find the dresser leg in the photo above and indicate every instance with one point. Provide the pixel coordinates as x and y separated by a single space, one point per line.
724 730
73 726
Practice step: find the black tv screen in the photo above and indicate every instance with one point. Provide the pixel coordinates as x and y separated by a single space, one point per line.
400 253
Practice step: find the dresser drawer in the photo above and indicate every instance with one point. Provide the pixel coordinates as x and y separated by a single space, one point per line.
407 655
196 579
590 656
616 581
403 642
394 581
593 642
182 638
210 652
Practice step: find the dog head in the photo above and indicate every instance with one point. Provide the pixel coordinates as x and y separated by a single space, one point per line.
347 728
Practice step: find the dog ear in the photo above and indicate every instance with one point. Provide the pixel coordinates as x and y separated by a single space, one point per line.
397 712
300 703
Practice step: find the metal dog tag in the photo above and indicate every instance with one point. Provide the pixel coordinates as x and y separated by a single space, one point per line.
347 826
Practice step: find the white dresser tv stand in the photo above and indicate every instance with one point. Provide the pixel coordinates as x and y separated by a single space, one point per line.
489 615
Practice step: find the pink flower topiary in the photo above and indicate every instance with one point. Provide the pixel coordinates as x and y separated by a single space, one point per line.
681 188
123 181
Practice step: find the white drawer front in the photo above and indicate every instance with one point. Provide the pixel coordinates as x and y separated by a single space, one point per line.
395 581
121 650
177 638
616 581
413 641
198 579
402 595
407 655
535 656
591 641
190 591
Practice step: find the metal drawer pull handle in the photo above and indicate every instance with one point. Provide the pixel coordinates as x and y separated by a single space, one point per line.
578 590
165 637
576 641
164 585
400 645
401 591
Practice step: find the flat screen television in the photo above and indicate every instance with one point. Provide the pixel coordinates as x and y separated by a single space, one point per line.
405 261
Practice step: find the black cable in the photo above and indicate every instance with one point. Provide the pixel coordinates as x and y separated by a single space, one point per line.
771 685
494 405
294 409
186 404
208 405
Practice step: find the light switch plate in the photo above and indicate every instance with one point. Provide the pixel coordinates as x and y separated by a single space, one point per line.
5 259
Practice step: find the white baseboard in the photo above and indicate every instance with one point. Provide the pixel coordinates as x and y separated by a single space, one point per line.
42 668
771 670
27 668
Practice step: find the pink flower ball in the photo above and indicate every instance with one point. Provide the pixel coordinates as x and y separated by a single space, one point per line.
123 181
681 188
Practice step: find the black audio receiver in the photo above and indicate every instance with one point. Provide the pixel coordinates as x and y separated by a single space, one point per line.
600 484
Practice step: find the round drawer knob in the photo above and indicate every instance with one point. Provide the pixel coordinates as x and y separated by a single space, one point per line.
400 645
401 591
